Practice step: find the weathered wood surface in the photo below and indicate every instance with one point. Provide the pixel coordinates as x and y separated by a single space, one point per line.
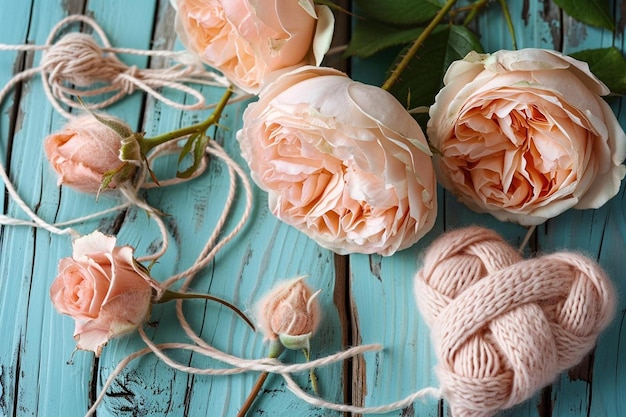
366 299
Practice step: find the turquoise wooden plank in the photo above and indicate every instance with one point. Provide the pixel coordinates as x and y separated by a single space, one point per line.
23 305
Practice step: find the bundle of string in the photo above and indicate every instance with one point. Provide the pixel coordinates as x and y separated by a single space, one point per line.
77 66
503 327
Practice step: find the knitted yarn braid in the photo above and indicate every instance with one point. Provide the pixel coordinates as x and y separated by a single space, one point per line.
503 327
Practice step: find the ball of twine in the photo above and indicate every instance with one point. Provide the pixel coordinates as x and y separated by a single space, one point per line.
75 65
503 327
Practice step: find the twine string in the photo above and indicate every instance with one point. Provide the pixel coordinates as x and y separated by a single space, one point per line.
75 65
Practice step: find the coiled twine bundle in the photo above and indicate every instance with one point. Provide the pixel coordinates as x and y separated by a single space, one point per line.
503 327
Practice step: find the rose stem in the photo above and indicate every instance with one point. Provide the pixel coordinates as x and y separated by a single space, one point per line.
473 10
148 143
509 22
172 295
314 385
395 74
276 349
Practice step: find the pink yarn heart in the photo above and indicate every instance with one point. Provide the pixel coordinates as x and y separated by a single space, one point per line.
503 327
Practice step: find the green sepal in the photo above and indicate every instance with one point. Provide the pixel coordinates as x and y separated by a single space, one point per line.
120 174
130 151
295 342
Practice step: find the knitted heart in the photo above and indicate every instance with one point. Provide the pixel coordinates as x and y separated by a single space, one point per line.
503 327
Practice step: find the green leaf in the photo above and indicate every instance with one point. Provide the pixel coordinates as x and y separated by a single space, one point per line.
187 147
199 143
608 64
402 12
421 81
591 12
369 37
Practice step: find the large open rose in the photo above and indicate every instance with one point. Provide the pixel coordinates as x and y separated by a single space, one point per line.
525 135
342 161
103 289
251 42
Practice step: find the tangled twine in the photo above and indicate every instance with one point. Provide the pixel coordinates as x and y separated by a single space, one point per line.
76 65
503 327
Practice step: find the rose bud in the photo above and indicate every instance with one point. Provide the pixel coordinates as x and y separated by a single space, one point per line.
251 42
290 313
103 289
525 135
86 153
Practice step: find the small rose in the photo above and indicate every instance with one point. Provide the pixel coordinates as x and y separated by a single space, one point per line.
290 313
525 135
251 42
341 161
86 153
103 289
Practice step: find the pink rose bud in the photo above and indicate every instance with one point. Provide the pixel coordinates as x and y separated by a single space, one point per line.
103 289
290 313
87 152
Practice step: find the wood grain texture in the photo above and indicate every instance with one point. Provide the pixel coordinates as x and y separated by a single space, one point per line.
365 299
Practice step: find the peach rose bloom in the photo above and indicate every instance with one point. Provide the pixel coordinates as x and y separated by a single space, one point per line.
84 151
525 135
251 42
341 161
103 289
290 313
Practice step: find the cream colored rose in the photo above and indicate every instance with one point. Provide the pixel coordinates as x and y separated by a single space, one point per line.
103 289
341 161
251 42
525 135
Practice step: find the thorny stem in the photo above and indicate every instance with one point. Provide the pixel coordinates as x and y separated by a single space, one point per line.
149 143
473 11
395 74
474 8
275 350
509 22
172 295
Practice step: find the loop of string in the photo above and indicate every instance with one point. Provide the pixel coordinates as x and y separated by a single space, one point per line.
77 66
264 365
